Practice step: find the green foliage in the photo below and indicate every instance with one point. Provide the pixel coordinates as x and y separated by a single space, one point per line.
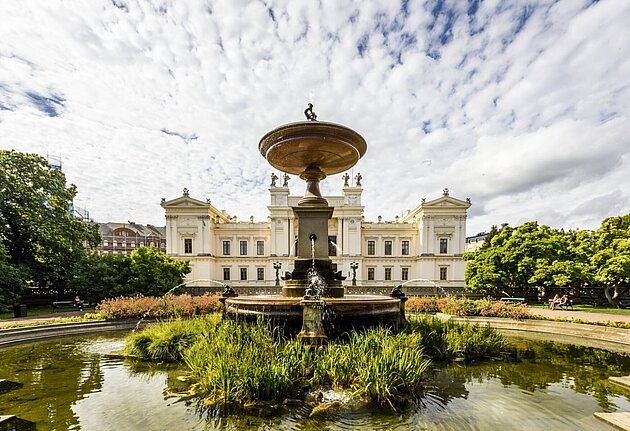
146 272
40 241
234 363
532 255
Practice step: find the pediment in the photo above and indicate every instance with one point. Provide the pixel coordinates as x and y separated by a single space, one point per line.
446 201
186 202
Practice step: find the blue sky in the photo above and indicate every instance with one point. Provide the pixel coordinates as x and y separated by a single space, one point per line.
521 106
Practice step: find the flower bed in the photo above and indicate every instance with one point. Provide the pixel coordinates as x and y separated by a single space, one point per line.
157 308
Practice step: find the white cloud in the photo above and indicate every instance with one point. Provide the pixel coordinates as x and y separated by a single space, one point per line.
524 108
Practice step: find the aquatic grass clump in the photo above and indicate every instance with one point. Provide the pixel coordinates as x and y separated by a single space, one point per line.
234 363
448 340
167 342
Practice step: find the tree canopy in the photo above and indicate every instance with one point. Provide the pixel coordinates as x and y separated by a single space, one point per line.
533 255
40 242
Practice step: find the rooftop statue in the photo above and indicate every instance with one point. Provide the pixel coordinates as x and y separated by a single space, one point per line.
285 180
274 178
345 177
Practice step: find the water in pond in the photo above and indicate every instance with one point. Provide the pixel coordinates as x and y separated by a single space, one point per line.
77 384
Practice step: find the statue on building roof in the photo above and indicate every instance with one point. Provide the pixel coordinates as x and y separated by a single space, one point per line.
285 180
445 191
357 179
186 192
468 200
345 177
310 115
274 178
208 201
162 200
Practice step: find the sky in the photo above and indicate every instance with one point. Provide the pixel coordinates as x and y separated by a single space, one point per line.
521 106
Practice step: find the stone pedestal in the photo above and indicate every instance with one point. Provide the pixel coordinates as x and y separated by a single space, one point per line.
313 332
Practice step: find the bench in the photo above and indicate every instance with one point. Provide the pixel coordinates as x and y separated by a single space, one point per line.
513 300
60 304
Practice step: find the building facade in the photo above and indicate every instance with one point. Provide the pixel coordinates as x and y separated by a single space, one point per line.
123 238
425 245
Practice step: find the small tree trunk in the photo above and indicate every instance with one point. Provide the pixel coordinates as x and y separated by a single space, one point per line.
613 297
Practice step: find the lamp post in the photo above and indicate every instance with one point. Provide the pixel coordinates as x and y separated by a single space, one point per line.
354 266
277 266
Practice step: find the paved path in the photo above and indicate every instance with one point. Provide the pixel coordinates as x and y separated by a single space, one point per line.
581 315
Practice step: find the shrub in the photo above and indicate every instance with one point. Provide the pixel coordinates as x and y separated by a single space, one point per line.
467 307
151 307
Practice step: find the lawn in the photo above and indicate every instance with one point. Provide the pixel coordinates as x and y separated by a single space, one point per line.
44 309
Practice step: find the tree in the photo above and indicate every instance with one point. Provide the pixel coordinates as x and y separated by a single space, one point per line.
41 241
612 258
154 273
99 277
146 272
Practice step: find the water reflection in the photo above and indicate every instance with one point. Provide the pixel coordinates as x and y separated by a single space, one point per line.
77 384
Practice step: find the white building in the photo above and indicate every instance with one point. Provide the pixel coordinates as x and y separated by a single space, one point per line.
426 244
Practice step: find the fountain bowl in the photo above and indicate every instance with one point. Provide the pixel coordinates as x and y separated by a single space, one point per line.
312 145
342 314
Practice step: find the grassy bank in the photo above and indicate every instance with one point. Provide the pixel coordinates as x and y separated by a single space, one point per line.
235 364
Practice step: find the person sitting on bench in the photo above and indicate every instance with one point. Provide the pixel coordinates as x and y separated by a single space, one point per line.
555 301
77 303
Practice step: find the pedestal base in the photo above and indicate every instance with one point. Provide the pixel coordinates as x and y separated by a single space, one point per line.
313 332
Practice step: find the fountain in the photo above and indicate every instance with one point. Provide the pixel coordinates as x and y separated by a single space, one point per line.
313 300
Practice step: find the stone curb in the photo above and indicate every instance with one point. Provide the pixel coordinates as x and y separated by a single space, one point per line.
27 334
605 337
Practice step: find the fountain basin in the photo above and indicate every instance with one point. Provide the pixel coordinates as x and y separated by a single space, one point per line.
326 147
340 314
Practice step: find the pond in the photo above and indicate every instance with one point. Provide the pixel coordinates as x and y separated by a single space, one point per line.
80 384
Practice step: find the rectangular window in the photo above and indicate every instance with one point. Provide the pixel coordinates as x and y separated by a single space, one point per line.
226 273
332 249
115 243
243 248
188 245
226 248
371 248
443 272
105 243
243 273
443 245
388 248
404 274
260 274
388 273
133 245
405 248
370 273
260 248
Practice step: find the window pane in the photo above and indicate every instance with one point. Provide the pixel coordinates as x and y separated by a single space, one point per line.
243 248
443 245
388 273
388 248
370 273
188 245
260 248
371 248
243 273
226 248
405 274
405 248
260 273
443 273
226 273
332 250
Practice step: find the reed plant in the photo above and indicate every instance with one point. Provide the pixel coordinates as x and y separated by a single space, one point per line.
234 363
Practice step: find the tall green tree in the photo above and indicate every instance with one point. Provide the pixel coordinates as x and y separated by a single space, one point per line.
41 241
612 257
154 273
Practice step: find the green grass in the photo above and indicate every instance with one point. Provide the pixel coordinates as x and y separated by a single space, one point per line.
44 309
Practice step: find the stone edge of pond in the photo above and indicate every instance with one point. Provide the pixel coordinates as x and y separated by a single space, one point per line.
26 334
606 337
